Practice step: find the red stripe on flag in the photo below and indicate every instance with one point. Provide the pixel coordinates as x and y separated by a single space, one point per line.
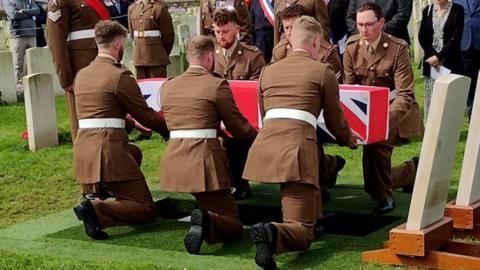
354 121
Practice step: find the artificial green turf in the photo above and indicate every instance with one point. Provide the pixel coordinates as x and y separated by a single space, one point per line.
35 232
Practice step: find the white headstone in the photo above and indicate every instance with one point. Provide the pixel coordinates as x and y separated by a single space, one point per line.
437 155
7 78
2 39
40 111
39 60
469 187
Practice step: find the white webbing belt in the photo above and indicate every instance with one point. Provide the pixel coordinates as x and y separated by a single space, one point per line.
82 34
101 123
147 33
284 113
193 134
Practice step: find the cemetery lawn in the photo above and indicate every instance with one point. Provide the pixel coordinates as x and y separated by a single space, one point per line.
38 229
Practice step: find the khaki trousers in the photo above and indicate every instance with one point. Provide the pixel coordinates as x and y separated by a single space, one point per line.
379 176
133 204
224 217
145 72
300 210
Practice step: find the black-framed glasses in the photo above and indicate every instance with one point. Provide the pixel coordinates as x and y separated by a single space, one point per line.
366 24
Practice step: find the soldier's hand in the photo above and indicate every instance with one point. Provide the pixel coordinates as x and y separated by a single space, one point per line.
355 138
69 88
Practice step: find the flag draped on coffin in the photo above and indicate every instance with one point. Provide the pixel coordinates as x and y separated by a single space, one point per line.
364 107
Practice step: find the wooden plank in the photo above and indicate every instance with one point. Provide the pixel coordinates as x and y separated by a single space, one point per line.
469 186
438 151
464 217
433 260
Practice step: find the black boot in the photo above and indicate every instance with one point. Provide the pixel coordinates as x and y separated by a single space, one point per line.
264 236
198 226
86 213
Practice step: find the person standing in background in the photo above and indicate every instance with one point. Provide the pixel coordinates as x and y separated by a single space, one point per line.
470 45
151 27
440 36
20 15
262 34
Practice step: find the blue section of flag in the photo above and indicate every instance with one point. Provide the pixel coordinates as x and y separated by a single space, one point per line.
146 96
361 105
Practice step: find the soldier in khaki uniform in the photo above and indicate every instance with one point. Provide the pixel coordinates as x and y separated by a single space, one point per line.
235 61
194 161
208 9
315 8
151 26
102 153
329 165
292 92
71 39
377 59
328 53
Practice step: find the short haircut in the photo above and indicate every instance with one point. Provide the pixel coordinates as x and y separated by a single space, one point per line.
198 46
305 29
371 6
224 16
293 11
107 31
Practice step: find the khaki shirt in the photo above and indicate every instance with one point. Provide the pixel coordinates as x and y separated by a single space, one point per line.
390 67
198 99
328 55
101 154
286 150
245 63
152 15
315 8
208 8
65 16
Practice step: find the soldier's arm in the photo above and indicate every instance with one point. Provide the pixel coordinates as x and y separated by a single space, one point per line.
401 18
233 119
166 27
351 19
244 21
348 73
321 14
261 105
58 27
332 113
131 100
256 66
404 84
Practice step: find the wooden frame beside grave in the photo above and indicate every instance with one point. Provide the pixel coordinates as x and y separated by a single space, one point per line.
465 210
426 240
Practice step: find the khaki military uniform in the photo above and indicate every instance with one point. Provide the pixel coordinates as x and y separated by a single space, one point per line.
388 66
328 54
315 8
285 150
71 53
151 26
103 155
241 62
198 99
244 62
208 8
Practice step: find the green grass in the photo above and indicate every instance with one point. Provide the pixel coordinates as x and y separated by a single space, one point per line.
39 231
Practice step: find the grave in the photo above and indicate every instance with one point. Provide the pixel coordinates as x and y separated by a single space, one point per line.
7 78
39 60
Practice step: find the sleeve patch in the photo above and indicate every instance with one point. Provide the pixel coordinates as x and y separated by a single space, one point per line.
55 15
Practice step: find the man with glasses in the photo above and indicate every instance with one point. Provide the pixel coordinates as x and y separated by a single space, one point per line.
396 13
378 59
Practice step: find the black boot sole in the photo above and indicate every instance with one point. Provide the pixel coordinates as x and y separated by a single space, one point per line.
95 234
193 239
263 255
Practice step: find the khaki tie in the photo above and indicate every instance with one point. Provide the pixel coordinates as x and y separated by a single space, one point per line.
370 50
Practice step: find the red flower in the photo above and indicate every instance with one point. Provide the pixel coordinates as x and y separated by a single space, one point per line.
25 135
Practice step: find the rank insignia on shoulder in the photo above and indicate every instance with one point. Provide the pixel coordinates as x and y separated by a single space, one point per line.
54 15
